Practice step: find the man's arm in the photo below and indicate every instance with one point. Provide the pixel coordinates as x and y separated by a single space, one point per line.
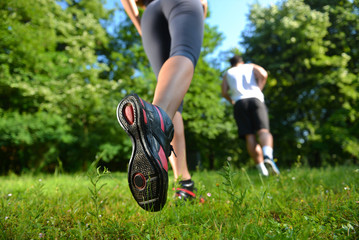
261 75
132 11
225 89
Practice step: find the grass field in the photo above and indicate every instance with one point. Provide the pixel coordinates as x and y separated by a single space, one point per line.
301 203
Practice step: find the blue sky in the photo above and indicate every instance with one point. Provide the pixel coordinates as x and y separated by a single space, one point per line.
231 18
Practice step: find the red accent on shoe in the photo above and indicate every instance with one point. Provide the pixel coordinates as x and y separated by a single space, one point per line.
139 181
142 102
128 112
162 124
187 191
144 116
163 158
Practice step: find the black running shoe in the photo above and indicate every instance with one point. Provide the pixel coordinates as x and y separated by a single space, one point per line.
151 132
186 191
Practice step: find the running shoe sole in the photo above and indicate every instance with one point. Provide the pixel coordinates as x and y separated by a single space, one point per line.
271 166
147 178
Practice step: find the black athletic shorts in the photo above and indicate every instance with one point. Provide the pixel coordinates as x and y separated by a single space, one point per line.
172 28
251 115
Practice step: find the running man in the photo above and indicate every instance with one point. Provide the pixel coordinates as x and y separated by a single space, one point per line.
242 86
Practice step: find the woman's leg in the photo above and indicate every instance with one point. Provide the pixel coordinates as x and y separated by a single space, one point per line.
173 50
172 38
179 163
173 83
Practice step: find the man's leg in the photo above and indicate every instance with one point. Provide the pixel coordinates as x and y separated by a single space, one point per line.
255 151
266 141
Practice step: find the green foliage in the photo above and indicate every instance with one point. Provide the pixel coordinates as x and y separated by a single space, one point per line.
53 103
62 76
302 203
230 188
64 66
32 138
312 89
98 202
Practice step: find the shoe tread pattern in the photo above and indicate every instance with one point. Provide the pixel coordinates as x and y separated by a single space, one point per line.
150 198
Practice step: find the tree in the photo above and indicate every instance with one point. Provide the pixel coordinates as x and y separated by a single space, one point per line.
62 74
311 91
343 35
54 107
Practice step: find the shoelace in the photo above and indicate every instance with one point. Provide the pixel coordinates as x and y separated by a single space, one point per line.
172 150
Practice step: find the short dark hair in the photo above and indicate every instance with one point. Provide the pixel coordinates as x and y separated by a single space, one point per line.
235 60
141 3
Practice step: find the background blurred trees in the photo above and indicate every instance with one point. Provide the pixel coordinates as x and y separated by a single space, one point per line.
62 73
54 106
310 51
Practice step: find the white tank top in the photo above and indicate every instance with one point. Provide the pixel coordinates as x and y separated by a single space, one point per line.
242 83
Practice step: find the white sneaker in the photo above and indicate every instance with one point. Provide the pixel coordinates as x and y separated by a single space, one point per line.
262 169
271 166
